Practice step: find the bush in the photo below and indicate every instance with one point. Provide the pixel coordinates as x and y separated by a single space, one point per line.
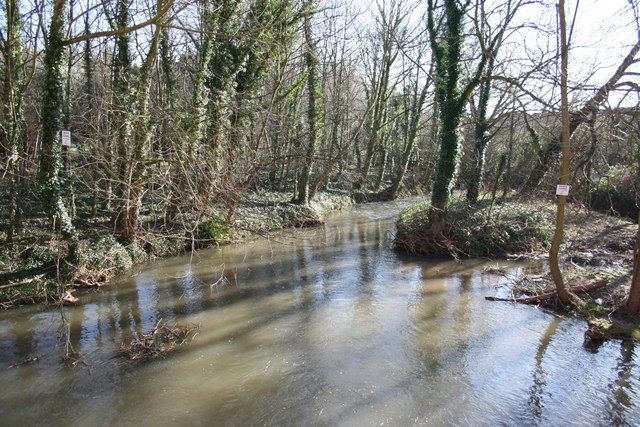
299 216
616 193
213 231
137 252
105 254
513 228
38 256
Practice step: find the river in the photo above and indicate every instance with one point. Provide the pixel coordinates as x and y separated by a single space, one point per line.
325 326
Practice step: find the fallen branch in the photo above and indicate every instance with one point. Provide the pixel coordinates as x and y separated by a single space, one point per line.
536 299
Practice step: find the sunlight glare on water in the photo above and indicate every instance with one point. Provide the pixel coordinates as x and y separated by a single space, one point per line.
319 326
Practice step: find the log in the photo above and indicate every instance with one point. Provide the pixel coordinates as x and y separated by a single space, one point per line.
536 299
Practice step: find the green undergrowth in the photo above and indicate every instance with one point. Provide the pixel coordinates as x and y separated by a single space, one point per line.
477 230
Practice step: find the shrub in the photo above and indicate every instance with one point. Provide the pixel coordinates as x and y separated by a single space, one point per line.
104 254
213 231
616 193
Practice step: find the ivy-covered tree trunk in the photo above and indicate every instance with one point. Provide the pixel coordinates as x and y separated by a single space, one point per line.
141 136
51 121
311 62
122 112
89 104
67 179
12 114
446 49
197 125
224 66
481 137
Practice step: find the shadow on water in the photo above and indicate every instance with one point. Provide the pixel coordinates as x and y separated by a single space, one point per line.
321 326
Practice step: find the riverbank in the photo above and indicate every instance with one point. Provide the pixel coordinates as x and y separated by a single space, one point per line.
596 257
37 268
303 320
597 264
481 230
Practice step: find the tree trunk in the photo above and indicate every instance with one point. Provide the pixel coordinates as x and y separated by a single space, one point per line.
52 98
312 113
633 302
481 138
14 128
136 167
563 295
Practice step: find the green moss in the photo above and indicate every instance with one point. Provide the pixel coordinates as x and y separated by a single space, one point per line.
592 310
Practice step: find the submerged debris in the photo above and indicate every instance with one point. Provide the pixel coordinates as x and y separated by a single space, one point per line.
162 339
68 297
28 360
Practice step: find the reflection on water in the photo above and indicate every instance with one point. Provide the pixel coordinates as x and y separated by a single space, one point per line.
323 326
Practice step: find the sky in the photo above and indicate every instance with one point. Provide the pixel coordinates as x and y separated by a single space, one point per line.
602 35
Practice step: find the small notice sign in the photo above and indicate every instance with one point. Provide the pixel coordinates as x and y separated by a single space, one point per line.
65 136
562 190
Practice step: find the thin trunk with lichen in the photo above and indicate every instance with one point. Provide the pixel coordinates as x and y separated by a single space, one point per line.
481 129
13 116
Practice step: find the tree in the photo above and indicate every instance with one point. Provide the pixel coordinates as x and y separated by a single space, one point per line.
446 46
51 125
547 155
13 134
311 62
414 101
382 55
563 294
138 138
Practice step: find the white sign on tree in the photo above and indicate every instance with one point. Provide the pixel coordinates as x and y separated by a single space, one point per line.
65 136
562 190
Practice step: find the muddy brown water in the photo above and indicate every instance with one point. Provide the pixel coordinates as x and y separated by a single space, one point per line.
315 327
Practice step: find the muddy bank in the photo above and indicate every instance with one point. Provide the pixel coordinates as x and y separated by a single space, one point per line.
596 260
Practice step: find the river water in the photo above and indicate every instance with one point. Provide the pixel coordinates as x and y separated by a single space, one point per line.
320 326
